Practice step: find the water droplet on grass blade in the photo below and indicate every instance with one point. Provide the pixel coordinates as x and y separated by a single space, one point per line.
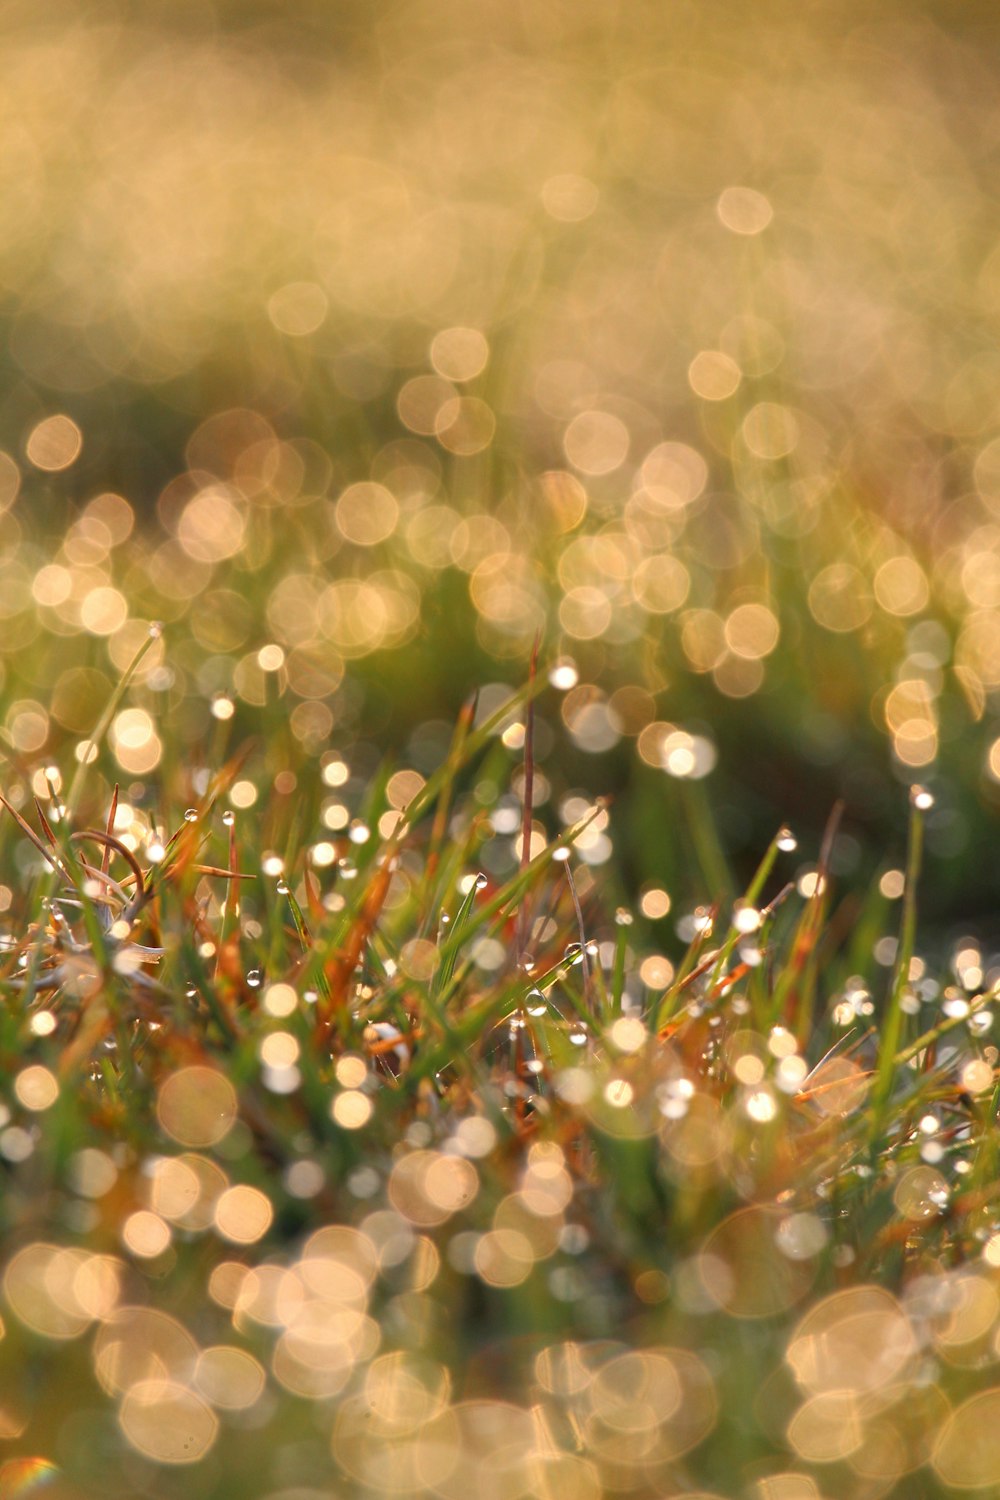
786 840
191 815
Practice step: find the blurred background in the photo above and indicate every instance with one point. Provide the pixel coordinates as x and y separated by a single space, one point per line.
358 344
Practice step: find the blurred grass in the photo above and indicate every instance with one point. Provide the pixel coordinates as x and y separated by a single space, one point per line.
279 209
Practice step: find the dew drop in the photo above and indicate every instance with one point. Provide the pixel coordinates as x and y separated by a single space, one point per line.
578 1038
191 815
921 798
537 1003
482 881
623 917
229 818
155 630
282 887
786 840
254 978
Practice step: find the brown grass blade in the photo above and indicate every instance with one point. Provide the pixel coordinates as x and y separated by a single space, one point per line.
106 857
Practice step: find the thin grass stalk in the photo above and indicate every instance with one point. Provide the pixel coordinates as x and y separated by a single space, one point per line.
892 1021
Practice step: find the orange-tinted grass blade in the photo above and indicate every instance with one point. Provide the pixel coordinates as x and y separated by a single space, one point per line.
341 966
112 810
30 833
45 823
313 899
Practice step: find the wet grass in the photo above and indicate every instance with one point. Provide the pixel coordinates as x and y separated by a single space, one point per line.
345 1160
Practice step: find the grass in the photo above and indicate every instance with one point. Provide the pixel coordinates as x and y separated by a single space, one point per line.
416 1086
354 1169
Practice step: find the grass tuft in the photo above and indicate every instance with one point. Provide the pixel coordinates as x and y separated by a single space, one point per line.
405 1168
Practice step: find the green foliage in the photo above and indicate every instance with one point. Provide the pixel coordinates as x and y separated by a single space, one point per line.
315 1133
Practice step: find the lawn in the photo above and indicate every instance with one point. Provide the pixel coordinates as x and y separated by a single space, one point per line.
499 651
